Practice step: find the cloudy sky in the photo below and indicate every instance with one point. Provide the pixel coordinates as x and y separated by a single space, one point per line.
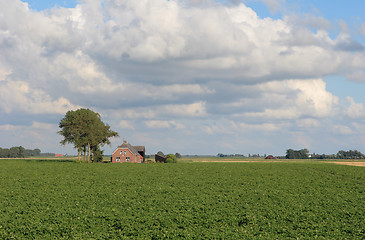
188 76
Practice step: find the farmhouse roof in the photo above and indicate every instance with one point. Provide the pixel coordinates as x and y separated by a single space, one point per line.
133 149
140 148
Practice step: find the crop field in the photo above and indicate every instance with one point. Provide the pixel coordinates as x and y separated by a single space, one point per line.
62 200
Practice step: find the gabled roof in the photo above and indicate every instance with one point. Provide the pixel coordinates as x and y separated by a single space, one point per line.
133 149
130 147
139 148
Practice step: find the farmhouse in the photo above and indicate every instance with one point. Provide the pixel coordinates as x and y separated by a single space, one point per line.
128 153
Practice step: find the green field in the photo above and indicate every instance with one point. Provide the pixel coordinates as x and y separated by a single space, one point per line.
55 199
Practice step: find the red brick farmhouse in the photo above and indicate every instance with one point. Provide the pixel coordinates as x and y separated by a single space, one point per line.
129 153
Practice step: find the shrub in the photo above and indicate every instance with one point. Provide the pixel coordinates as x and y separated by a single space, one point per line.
171 158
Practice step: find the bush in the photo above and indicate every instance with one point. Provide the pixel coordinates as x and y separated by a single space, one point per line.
171 158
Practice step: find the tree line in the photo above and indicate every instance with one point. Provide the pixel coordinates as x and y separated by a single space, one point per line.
19 152
304 154
84 129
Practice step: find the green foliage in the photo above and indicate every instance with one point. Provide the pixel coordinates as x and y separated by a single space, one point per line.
303 154
18 152
171 158
297 154
178 155
352 154
97 154
86 131
33 153
63 200
160 153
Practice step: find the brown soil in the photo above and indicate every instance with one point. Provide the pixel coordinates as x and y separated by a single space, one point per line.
359 164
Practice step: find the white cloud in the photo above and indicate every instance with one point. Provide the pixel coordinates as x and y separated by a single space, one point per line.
342 130
166 111
308 123
355 110
164 124
82 74
8 127
292 99
186 110
4 73
19 96
125 124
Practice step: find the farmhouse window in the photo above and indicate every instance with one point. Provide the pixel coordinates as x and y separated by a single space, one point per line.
118 159
127 159
125 152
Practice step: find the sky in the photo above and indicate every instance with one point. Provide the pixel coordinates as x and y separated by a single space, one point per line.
189 76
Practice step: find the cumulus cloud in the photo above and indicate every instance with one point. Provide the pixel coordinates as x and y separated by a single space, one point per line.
164 124
201 66
355 110
290 99
19 96
125 124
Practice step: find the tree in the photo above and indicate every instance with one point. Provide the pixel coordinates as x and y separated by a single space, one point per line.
352 154
160 153
178 155
171 158
297 154
84 129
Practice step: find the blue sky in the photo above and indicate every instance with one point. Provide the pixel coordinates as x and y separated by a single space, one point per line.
188 76
46 4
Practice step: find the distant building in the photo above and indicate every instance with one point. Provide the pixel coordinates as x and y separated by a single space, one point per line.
270 157
58 155
128 153
159 158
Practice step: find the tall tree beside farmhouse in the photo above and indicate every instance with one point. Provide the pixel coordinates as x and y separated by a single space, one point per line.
84 129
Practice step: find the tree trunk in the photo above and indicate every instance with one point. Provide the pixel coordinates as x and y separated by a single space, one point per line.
88 152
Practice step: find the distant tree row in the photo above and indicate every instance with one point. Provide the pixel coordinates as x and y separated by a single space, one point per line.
231 155
18 152
352 154
304 154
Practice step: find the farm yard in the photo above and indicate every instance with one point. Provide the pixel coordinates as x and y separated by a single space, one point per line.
254 200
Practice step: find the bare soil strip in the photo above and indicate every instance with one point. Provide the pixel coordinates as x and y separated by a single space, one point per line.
358 164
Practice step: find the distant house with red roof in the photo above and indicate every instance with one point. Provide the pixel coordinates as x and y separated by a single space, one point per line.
128 153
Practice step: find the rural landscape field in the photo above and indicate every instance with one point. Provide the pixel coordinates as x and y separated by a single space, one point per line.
182 119
55 199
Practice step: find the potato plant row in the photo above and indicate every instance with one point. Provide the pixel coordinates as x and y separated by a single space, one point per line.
63 200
